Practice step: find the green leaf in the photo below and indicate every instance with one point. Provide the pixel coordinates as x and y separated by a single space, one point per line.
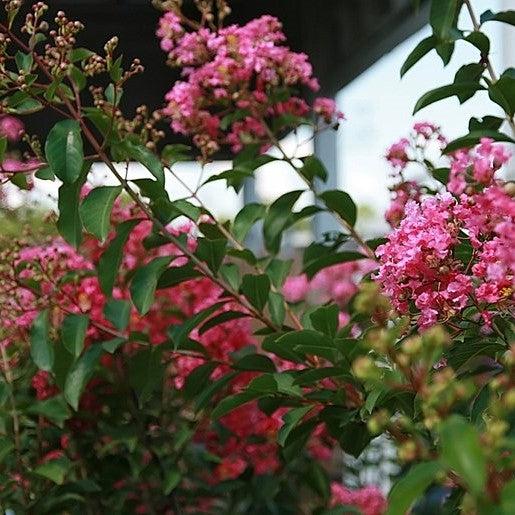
73 333
318 480
3 148
312 169
54 409
209 392
450 90
314 266
256 289
80 374
179 333
143 155
23 61
502 16
486 122
176 275
308 341
423 48
144 283
55 470
278 219
198 378
171 481
443 17
246 218
80 54
232 402
95 210
411 486
326 319
474 137
255 362
212 252
441 175
467 459
502 92
466 74
6 448
341 203
291 419
111 259
278 270
41 348
172 154
113 345
221 318
64 150
118 313
508 497
480 41
277 308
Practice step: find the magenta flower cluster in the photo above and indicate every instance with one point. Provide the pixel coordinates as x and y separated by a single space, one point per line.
235 80
451 252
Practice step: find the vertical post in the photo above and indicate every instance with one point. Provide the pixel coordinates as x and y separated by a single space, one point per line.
254 239
326 151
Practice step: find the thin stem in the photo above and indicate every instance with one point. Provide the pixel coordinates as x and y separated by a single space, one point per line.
488 62
355 236
238 245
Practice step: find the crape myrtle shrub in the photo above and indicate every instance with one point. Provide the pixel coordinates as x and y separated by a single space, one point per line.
152 363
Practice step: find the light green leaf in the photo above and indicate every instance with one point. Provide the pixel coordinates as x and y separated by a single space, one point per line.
143 155
256 289
111 259
144 283
54 470
73 333
41 348
171 482
462 451
411 486
95 210
276 307
64 150
80 374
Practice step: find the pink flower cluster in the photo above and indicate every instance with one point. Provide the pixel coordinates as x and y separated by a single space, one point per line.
475 169
422 266
12 129
236 79
411 150
368 499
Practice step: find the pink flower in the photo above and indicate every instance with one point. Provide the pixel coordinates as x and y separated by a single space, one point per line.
11 128
368 499
326 109
397 154
296 288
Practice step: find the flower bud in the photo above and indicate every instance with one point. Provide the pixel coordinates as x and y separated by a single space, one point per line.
407 451
365 368
412 346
